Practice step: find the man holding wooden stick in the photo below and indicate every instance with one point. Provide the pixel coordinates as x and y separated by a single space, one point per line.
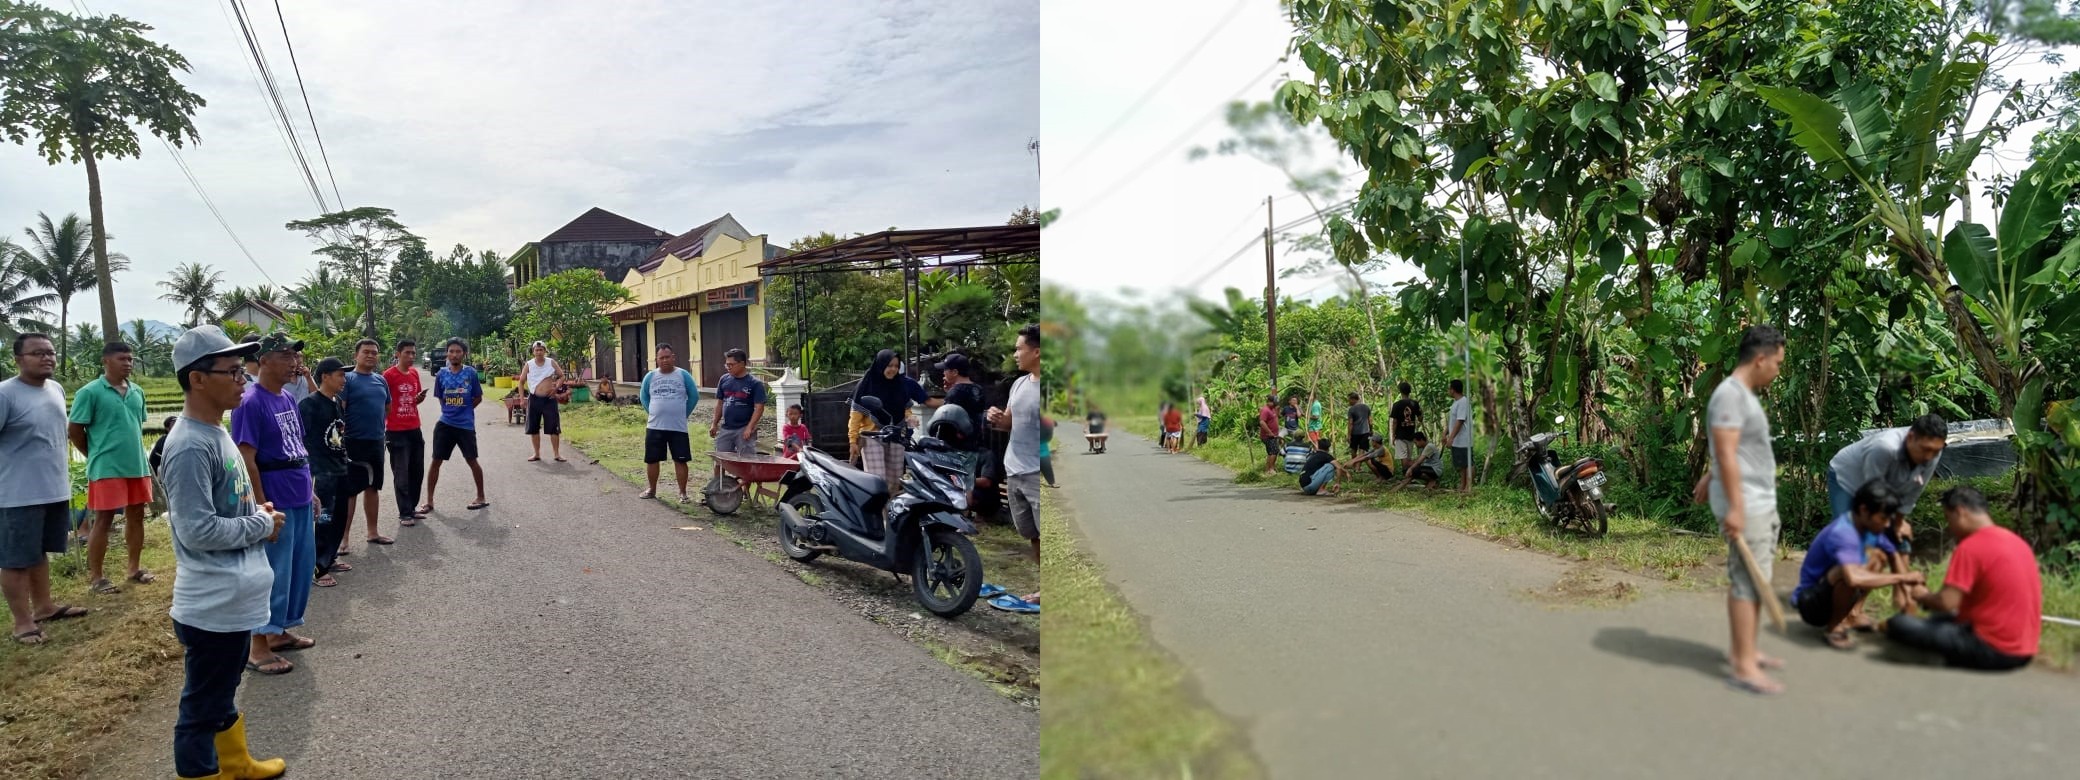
1741 483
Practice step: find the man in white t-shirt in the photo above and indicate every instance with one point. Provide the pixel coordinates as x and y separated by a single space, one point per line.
1742 487
1022 454
1459 432
541 376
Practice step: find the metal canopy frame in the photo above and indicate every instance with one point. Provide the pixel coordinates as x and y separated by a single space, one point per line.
912 252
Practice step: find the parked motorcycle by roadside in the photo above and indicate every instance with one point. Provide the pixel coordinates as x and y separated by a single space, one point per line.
829 507
1571 498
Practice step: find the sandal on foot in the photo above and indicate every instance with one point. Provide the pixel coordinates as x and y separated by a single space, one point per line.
275 665
342 566
1750 686
325 581
647 494
1840 640
381 540
295 643
64 612
407 522
685 499
32 636
534 459
559 459
104 587
478 505
142 577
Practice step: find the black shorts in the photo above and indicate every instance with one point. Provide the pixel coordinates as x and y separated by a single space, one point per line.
656 442
1360 444
1816 603
1424 474
1462 458
1273 446
543 415
448 437
369 451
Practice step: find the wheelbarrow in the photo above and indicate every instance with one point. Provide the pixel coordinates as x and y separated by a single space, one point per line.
733 472
516 408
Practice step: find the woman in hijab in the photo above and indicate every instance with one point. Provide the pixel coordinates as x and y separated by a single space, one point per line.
1205 415
884 381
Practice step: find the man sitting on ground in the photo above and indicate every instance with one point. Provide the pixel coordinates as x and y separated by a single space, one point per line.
1424 463
1320 468
1989 613
1837 574
1372 452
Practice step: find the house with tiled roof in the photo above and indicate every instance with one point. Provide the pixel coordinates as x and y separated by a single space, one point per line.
700 292
598 239
257 314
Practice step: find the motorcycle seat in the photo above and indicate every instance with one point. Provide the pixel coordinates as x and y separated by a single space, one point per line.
1569 472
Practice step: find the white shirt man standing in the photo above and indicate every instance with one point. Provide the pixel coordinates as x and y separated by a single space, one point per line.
1022 454
1742 486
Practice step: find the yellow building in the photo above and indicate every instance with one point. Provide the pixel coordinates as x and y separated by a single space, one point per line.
701 293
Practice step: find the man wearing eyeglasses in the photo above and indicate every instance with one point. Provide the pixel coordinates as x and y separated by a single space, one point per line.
35 487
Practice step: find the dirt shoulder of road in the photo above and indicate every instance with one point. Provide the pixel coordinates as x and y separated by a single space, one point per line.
1120 706
1636 546
1000 648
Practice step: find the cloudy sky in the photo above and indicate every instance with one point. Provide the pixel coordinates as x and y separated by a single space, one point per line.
493 123
1138 214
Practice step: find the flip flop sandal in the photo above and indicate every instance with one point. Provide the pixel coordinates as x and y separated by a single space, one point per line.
279 664
342 566
301 643
535 459
407 522
142 577
65 612
1739 684
34 633
381 540
561 460
1010 603
647 494
478 505
325 581
105 588
990 591
1839 640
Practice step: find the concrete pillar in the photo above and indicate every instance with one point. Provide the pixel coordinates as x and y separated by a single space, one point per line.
788 390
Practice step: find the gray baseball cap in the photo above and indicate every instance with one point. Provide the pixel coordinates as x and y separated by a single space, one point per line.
205 341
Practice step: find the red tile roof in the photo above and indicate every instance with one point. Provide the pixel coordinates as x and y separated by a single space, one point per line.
686 245
602 225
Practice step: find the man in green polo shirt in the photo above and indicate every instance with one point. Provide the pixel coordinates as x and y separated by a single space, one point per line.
107 425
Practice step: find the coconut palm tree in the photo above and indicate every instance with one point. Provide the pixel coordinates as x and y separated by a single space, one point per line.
19 299
61 260
194 287
154 352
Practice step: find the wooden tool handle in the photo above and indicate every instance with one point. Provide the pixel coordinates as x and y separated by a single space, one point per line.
1763 592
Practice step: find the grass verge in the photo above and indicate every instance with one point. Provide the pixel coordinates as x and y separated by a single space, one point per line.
58 700
1119 706
1636 543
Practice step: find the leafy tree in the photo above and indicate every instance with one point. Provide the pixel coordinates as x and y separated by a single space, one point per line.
569 311
154 352
469 290
359 243
841 317
194 287
61 260
19 300
77 84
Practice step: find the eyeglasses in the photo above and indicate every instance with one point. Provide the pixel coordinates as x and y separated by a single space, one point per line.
43 353
238 372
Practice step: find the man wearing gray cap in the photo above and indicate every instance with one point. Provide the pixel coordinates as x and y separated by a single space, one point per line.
222 579
270 440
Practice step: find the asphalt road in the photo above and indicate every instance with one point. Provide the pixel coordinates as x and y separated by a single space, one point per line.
571 630
1352 642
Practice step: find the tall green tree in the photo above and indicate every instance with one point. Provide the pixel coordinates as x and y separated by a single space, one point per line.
20 300
360 244
61 260
469 290
193 286
569 311
77 85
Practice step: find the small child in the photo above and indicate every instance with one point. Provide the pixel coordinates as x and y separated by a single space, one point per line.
794 435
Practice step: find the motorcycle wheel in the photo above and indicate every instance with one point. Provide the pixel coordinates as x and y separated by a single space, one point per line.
1596 519
947 574
791 543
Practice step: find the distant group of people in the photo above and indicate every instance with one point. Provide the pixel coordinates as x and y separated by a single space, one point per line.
1410 455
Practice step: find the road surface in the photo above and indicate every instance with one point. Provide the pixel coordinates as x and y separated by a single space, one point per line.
1352 642
572 630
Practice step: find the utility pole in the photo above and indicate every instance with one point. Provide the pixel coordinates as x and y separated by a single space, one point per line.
1270 296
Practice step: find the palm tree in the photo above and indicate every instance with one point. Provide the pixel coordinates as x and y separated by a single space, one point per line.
194 287
61 260
153 350
19 300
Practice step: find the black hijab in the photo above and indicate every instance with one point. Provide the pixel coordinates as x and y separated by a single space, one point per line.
895 397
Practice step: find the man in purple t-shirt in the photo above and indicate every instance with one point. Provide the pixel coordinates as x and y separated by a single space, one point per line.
270 439
1837 572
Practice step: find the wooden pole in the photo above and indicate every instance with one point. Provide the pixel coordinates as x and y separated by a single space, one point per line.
1763 592
1270 296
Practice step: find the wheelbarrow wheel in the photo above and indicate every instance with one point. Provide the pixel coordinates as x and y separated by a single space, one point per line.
723 495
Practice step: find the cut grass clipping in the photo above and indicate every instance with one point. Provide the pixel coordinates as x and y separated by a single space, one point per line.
1116 705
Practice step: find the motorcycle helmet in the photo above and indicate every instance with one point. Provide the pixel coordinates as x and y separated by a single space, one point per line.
951 424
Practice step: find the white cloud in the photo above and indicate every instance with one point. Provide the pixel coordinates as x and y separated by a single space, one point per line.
492 124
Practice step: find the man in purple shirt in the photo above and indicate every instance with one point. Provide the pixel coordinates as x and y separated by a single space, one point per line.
1837 572
269 434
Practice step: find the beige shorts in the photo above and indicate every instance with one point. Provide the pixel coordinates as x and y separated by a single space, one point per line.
1404 449
1761 533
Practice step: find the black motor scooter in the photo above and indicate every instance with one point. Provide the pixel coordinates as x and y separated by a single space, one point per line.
827 506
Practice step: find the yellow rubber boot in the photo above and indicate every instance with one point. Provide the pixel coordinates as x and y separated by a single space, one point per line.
218 776
235 763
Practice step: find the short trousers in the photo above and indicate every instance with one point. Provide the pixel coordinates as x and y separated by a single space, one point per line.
657 442
1273 447
1816 603
1025 504
543 415
27 532
446 438
1762 541
369 451
1462 458
1404 449
736 440
113 493
1424 474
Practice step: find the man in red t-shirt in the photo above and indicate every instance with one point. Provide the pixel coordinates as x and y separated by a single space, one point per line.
1267 431
401 435
1990 611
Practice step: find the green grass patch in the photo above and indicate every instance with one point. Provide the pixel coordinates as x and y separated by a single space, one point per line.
1119 707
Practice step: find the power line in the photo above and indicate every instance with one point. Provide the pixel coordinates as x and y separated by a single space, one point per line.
1166 149
272 97
1253 243
298 70
212 206
1175 69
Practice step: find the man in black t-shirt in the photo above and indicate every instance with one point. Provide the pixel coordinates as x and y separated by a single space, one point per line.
1408 418
1360 417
